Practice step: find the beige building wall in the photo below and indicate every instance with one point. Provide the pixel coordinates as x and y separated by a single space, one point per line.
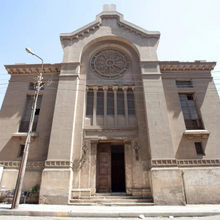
161 162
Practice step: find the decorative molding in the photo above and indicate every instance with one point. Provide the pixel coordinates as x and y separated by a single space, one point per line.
191 134
109 63
163 163
58 164
184 162
94 87
83 31
136 147
33 69
186 66
85 148
198 162
16 164
23 135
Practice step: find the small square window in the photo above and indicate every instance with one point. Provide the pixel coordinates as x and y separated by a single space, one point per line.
21 150
184 84
37 112
199 149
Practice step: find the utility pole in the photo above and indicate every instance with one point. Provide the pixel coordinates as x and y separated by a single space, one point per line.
20 178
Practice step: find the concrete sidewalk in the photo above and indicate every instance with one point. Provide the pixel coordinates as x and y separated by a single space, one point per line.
110 211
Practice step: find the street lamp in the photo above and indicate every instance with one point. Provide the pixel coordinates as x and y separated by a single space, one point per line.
20 178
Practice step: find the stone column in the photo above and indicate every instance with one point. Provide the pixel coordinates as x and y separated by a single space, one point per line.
93 166
128 167
125 88
95 89
115 89
105 88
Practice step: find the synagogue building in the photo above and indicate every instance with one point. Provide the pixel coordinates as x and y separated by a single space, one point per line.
116 125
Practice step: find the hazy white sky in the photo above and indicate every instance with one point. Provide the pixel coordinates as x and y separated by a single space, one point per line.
190 29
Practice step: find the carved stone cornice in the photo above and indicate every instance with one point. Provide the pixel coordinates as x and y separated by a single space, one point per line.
81 32
16 164
167 66
33 69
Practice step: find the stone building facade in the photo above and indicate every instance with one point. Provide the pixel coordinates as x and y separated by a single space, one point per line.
115 119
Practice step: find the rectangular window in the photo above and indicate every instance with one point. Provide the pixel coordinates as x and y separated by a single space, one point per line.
184 84
100 102
190 113
199 149
110 102
21 150
89 102
120 102
131 106
26 119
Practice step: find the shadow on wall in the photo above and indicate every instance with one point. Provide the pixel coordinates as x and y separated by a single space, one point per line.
187 148
10 151
199 91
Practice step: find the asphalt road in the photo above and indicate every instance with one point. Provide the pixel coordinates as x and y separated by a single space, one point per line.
86 218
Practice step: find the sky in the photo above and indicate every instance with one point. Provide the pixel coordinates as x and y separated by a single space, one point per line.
190 29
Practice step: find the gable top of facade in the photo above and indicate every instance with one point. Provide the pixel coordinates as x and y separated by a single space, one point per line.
109 12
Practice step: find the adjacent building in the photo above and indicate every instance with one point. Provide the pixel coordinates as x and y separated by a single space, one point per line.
114 120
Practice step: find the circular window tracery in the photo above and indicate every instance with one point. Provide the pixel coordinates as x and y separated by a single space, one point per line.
109 63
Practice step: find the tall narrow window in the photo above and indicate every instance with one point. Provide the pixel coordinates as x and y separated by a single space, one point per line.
199 149
26 119
100 102
89 104
190 113
131 106
20 153
110 102
120 102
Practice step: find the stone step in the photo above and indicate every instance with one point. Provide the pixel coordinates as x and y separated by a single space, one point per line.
111 197
113 204
111 200
111 194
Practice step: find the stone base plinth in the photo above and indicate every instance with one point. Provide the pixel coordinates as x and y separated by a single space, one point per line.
167 186
55 186
79 193
202 185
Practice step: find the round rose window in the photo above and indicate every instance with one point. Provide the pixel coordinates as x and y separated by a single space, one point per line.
109 63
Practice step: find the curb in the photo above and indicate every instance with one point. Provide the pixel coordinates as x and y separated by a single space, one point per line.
106 214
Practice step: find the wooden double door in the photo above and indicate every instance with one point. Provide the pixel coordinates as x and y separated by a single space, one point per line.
110 168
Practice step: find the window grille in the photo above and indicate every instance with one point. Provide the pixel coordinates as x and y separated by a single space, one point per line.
199 150
21 150
120 102
184 84
100 102
110 102
131 105
89 104
24 125
190 112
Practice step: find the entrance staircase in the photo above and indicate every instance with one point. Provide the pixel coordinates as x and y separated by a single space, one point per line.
111 199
